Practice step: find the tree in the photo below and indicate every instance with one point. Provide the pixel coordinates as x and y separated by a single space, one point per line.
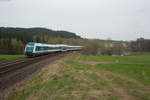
92 48
140 45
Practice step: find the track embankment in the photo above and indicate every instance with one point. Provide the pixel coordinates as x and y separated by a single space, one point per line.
14 72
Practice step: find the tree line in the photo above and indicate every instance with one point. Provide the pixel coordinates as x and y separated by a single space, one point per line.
94 47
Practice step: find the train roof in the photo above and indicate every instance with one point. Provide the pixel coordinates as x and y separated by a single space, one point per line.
50 45
62 45
41 44
74 46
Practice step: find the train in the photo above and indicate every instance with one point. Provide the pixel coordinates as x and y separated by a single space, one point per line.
33 49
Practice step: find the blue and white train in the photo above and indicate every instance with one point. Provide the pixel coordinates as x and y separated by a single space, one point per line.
36 49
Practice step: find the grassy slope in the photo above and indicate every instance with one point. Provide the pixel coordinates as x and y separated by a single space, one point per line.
10 57
81 77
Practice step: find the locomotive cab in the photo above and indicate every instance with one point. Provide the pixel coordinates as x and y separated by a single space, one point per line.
29 49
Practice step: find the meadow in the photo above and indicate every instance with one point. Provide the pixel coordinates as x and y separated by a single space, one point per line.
80 77
10 57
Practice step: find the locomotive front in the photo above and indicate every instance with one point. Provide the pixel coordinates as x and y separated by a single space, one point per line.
29 48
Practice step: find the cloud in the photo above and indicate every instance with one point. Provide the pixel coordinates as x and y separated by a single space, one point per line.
5 0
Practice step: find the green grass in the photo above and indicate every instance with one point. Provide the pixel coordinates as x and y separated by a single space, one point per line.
75 79
139 72
10 57
144 59
137 67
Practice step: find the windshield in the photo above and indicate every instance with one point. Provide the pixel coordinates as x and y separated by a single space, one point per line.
29 49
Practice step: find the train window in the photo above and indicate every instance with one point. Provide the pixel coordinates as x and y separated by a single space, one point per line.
46 48
29 49
42 48
49 48
37 48
55 47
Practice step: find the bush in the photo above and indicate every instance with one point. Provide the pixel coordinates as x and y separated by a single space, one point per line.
92 48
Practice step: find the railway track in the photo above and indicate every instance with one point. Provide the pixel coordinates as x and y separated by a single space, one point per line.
20 63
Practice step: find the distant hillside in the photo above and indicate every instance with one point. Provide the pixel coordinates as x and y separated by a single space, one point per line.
28 33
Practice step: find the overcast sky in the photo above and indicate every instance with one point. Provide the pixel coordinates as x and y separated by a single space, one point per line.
115 19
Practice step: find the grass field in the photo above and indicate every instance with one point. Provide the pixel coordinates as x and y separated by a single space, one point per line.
10 57
80 77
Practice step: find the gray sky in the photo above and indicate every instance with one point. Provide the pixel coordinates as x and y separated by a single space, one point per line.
116 19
